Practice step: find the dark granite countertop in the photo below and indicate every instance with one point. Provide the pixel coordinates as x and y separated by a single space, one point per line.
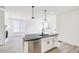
31 37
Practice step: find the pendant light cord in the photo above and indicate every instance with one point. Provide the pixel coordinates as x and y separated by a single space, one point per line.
32 12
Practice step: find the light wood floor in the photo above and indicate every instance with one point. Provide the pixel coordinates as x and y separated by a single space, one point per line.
65 48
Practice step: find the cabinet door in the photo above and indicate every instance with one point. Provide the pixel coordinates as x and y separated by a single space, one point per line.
55 41
44 44
50 43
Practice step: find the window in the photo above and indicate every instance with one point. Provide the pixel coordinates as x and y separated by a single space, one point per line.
16 26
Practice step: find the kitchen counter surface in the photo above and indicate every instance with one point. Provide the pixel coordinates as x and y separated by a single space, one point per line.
32 37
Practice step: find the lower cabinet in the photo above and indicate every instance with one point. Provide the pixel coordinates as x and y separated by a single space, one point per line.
55 41
41 45
47 44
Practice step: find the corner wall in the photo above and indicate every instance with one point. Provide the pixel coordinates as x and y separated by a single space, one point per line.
68 27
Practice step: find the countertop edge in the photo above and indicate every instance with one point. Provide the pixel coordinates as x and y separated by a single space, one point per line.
40 37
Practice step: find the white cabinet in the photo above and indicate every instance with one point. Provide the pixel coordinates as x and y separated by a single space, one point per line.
55 41
48 43
44 44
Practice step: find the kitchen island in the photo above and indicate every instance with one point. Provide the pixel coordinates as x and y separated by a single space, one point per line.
37 43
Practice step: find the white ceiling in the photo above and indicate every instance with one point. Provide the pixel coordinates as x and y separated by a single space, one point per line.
27 10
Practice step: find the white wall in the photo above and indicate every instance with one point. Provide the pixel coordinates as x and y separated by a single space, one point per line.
68 27
2 29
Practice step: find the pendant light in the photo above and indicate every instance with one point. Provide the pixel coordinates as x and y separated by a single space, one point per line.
32 12
45 24
45 20
45 14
